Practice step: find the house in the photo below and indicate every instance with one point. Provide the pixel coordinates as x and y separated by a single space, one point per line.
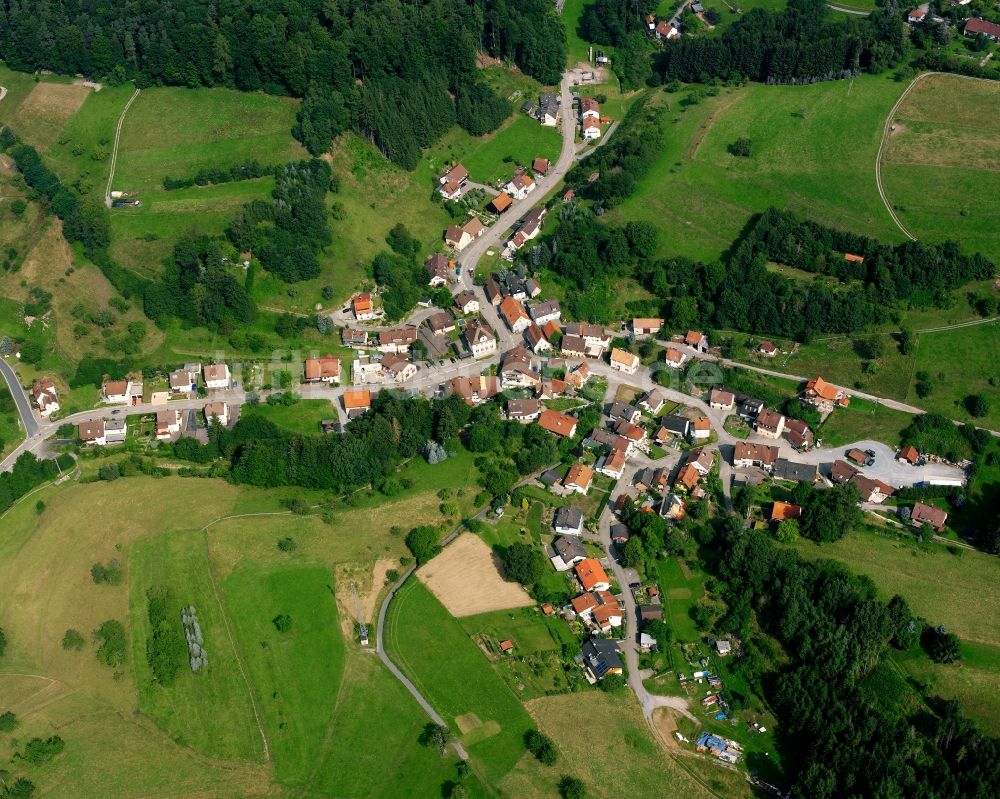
592 576
458 238
450 190
701 428
457 174
92 432
116 391
559 423
520 186
723 647
633 434
480 338
115 431
653 401
767 349
674 358
398 340
167 423
769 424
531 225
696 340
798 434
579 478
536 340
749 408
514 315
573 347
548 110
687 477
646 326
437 267
721 399
43 392
322 370
665 31
908 455
600 658
552 389
542 312
990 30
516 371
475 390
613 465
859 456
821 394
217 376
589 108
398 368
871 490
500 203
780 511
593 337
506 646
568 552
590 129
785 469
746 455
701 459
598 609
185 381
441 322
364 310
928 514
540 166
217 411
568 520
579 376
356 403
467 302
676 425
523 410
672 507
842 472
551 329
624 361
354 338
620 534
623 411
366 367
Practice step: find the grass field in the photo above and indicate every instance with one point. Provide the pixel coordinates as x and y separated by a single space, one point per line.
44 112
431 647
302 417
863 419
940 163
11 431
813 153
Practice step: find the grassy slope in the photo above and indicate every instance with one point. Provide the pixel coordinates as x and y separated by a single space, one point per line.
11 431
940 165
820 164
443 662
303 417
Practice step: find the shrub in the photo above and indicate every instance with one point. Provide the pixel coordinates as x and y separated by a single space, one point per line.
541 746
72 639
282 622
741 147
39 751
110 574
287 544
109 471
8 721
572 788
112 644
166 648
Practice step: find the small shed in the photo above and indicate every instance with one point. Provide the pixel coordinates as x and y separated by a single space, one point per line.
507 646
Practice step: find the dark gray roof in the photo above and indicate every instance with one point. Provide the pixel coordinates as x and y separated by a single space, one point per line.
620 531
568 548
569 516
785 469
601 656
676 424
622 410
551 477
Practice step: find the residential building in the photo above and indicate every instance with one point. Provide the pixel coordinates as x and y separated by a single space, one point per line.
990 30
568 551
366 367
599 610
696 340
620 534
592 576
568 520
440 323
523 410
578 376
579 478
467 302
500 203
908 455
542 312
548 110
928 514
781 511
456 174
458 238
398 368
842 472
520 186
653 401
644 326
687 477
721 399
398 341
767 349
514 315
480 338
590 129
185 381
356 403
437 267
322 370
798 434
623 410
613 465
540 166
363 307
701 428
676 425
872 490
589 108
217 411
674 358
43 392
573 347
217 376
531 225
624 361
672 507
915 16
600 658
633 434
821 394
750 408
536 340
769 424
354 338
702 460
115 431
92 432
450 190
746 455
785 469
116 391
167 424
475 390
594 337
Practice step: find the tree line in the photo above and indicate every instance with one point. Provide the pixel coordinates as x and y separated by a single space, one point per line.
387 68
29 472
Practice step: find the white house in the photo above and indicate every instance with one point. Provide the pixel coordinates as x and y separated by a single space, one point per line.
322 370
480 338
92 433
185 381
521 186
167 423
217 376
674 358
568 551
624 361
117 392
467 302
44 393
568 520
589 108
590 129
218 411
398 368
365 367
548 311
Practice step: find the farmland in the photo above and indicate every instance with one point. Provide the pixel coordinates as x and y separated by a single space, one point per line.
939 168
813 153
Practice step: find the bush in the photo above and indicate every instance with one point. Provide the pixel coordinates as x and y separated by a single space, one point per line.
941 646
978 405
8 721
109 471
423 543
287 544
572 788
110 637
282 622
3 642
110 574
72 640
166 647
741 147
541 746
18 206
39 751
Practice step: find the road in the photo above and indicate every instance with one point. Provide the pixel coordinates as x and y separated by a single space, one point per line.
28 420
114 149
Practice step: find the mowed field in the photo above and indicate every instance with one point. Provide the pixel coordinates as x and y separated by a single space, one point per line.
941 164
41 116
814 151
214 546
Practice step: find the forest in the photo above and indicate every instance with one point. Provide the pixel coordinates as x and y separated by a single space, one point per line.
802 43
384 68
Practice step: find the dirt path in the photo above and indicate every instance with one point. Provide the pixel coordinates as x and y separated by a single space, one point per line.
114 151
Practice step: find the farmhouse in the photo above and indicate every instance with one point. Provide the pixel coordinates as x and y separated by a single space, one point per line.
364 310
480 338
217 376
977 25
600 658
646 326
568 520
322 370
928 514
770 424
467 302
767 349
721 399
475 390
624 361
559 423
437 267
592 576
674 358
357 402
523 410
43 392
568 552
514 315
696 340
746 455
579 478
217 411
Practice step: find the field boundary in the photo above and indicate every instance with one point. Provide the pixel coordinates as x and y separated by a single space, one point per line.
114 150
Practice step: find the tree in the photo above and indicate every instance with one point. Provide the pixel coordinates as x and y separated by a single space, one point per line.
423 543
940 645
8 721
572 788
286 544
112 646
741 147
633 553
541 746
282 622
3 642
978 405
523 563
72 639
109 471
31 351
788 531
437 736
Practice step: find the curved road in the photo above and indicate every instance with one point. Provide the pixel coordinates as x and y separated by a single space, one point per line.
28 419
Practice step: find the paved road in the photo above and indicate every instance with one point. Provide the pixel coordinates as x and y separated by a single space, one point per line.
21 400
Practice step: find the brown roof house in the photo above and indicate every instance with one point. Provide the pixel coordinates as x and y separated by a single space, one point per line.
928 514
559 423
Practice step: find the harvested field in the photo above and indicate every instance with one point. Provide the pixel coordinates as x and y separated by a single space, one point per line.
46 110
466 579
